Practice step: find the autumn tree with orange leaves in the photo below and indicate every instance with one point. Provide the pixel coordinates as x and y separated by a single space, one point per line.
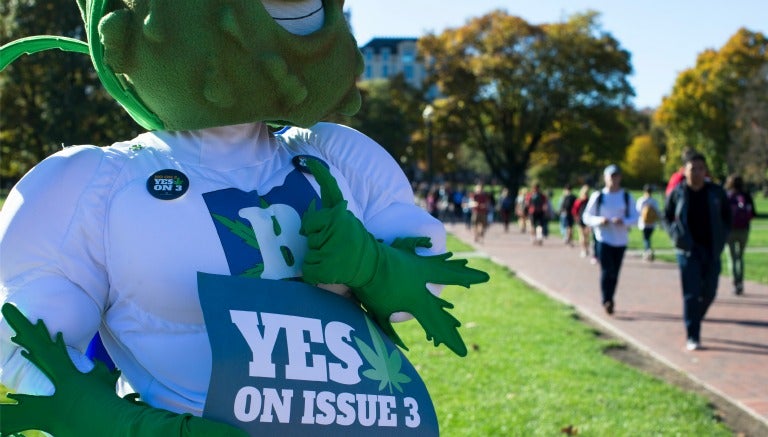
720 107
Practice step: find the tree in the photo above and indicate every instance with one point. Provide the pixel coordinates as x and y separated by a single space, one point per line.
749 153
52 98
703 109
642 163
391 116
508 85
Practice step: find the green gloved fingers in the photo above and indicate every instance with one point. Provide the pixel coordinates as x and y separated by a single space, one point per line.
86 403
449 271
330 193
400 285
386 279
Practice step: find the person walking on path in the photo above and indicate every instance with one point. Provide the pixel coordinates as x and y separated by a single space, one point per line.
697 217
506 207
480 204
577 211
537 207
566 218
549 214
610 213
520 210
742 212
649 213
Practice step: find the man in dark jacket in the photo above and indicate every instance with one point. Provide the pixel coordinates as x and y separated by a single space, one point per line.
697 217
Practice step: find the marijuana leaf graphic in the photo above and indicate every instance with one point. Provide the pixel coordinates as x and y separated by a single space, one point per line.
384 367
254 272
240 229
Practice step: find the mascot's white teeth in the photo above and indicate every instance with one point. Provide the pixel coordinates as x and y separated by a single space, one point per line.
300 17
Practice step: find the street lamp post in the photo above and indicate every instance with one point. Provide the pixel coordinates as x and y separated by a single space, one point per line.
428 115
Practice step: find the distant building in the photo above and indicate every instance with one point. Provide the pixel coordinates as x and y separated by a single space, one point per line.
387 57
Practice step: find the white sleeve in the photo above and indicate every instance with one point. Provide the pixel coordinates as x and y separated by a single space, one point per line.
44 268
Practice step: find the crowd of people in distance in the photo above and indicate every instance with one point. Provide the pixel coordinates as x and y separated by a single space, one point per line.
475 205
701 217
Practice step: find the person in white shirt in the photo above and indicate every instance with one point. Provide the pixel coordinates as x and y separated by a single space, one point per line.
610 213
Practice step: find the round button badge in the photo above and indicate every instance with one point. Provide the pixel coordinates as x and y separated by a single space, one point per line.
300 162
168 184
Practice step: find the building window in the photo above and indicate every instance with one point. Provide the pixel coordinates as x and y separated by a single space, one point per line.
385 71
408 72
408 56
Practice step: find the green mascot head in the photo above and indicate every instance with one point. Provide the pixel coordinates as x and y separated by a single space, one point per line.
193 64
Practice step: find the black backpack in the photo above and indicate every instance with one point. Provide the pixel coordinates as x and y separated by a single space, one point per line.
537 203
568 202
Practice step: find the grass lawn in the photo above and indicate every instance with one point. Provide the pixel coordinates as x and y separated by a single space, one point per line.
534 370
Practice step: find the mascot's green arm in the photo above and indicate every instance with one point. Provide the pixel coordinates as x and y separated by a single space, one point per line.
85 404
386 279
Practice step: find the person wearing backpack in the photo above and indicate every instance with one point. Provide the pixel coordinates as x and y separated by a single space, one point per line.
649 213
610 213
537 207
566 218
577 211
742 212
506 206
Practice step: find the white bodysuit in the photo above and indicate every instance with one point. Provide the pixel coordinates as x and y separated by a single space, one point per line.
84 245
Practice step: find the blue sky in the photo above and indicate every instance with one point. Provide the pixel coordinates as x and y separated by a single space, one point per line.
664 36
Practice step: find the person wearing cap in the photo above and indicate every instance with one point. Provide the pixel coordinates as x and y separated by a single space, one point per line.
697 218
611 213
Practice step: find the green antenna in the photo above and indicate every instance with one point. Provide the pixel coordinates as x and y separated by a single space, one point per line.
117 89
33 44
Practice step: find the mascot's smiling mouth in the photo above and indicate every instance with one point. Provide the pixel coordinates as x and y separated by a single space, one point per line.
299 17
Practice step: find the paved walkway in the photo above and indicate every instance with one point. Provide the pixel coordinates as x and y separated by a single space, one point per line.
734 361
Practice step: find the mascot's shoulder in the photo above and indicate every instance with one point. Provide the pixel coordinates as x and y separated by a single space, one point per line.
82 166
326 134
340 145
70 163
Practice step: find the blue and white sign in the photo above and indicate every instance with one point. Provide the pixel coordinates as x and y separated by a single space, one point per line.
292 359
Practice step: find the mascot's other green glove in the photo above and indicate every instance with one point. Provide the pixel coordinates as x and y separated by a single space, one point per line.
386 279
85 404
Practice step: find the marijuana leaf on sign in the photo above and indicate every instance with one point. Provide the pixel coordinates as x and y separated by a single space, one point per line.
384 367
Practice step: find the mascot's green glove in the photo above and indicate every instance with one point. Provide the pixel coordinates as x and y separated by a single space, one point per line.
85 404
386 279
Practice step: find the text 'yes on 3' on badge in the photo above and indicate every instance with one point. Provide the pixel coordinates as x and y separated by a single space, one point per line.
168 184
